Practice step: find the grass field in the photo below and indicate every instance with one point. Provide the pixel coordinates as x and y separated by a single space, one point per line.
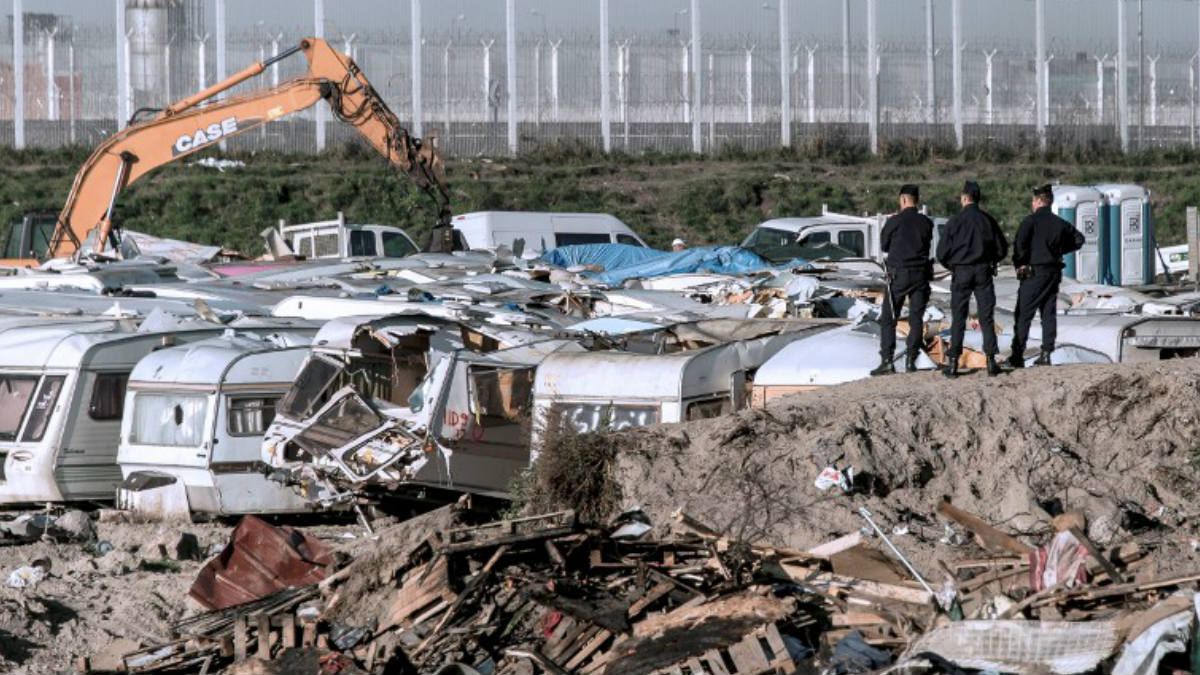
706 200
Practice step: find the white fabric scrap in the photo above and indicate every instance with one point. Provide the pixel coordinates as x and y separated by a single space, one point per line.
1143 653
1023 647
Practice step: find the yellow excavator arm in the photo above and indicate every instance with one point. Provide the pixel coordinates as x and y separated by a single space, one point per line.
186 127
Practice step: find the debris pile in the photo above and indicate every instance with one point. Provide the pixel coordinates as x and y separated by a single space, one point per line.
545 594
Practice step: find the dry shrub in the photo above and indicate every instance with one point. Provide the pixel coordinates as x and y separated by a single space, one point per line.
573 471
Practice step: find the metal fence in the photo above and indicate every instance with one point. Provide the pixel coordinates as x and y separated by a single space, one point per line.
503 76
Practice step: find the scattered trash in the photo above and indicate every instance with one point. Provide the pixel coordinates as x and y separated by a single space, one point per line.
831 476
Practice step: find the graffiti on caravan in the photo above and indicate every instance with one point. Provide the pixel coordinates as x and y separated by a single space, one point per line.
205 135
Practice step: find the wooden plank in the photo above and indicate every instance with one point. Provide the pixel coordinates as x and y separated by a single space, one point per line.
263 622
288 629
856 619
596 642
308 636
715 663
239 638
1096 553
659 590
808 576
837 545
989 537
748 655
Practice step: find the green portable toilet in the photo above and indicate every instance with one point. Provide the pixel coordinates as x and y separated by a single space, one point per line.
1080 206
1128 228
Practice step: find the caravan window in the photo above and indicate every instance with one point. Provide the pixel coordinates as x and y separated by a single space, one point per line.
108 396
169 419
362 243
43 405
854 241
15 394
576 238
308 391
250 416
629 239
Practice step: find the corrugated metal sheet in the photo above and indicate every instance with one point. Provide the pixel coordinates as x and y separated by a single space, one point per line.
259 559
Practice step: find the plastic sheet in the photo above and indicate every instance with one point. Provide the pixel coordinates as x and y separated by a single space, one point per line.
621 262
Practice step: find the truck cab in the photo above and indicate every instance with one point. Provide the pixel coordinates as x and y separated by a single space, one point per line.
338 239
829 236
29 237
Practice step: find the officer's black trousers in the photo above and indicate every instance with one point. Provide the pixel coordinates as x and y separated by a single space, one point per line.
976 280
911 283
1038 293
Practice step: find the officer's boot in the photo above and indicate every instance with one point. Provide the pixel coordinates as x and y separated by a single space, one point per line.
885 367
910 363
950 368
993 368
1043 359
1016 360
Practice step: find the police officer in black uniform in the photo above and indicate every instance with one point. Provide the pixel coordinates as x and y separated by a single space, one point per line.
1042 240
905 239
971 248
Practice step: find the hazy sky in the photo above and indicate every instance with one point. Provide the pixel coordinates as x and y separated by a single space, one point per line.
1083 24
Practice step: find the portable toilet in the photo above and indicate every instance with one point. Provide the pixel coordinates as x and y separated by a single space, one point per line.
1126 225
1080 206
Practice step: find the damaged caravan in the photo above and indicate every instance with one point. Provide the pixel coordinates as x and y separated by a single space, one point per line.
194 419
410 400
683 372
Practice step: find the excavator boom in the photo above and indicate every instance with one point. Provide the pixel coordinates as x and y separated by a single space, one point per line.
186 127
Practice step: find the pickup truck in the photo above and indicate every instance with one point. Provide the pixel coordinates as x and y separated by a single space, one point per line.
829 236
339 239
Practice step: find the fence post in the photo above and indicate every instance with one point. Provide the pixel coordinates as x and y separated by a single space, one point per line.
52 87
1122 87
1039 23
956 66
987 86
697 94
872 78
554 76
1152 61
71 84
319 31
605 114
19 74
221 72
416 66
122 114
750 83
1100 88
537 83
930 91
487 76
846 60
446 90
785 77
510 70
812 84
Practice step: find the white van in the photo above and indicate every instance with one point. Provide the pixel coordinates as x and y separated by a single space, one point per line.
339 239
541 231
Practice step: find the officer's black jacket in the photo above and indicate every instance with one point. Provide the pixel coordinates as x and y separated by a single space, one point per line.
1043 239
906 237
972 237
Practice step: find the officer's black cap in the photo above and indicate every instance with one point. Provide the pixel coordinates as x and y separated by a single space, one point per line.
1045 192
911 190
971 190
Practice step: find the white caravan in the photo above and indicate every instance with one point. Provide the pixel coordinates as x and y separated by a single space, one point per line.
533 232
62 394
194 421
831 236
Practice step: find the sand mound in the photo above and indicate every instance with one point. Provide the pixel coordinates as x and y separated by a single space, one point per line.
1118 442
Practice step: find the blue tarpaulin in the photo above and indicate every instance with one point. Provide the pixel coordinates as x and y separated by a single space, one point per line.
622 261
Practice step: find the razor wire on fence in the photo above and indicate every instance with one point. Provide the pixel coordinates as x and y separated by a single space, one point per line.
684 75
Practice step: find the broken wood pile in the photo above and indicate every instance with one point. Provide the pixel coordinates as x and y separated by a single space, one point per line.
545 595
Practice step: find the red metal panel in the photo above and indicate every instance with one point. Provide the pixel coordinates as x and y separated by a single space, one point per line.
260 559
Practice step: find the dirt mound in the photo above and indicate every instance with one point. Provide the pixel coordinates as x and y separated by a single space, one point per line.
1118 442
